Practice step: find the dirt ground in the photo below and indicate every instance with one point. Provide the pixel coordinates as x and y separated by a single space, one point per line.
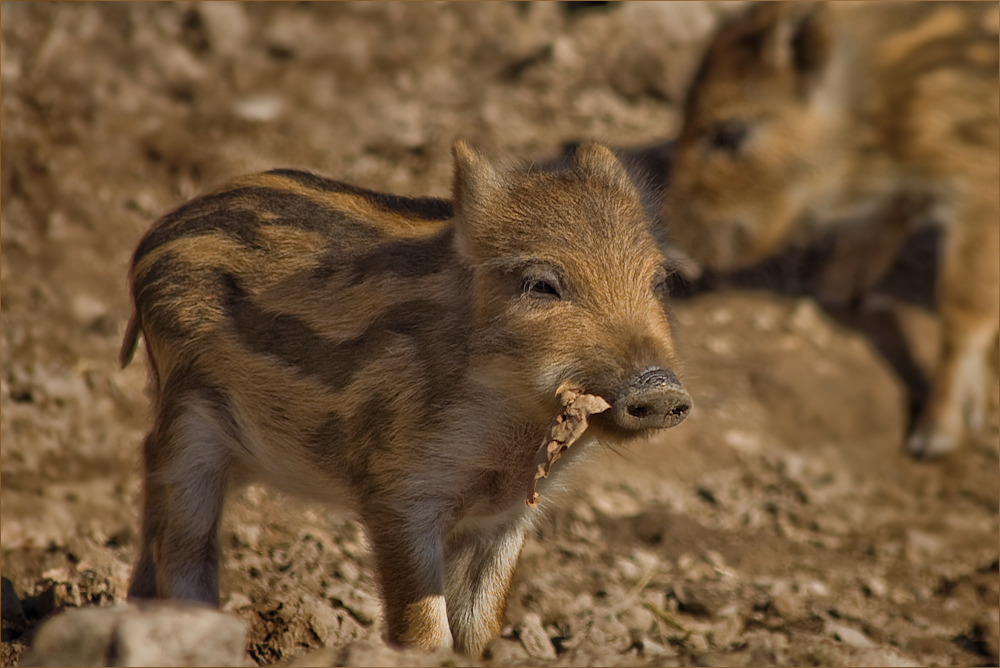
782 523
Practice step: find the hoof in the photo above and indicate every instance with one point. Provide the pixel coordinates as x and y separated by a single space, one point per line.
930 445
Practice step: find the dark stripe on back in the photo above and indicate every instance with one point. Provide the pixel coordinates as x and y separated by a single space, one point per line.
428 208
406 258
295 344
218 213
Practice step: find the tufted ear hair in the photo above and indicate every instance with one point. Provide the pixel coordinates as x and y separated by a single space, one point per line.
477 189
475 178
599 161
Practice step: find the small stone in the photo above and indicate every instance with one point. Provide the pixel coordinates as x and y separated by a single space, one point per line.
787 604
742 441
227 25
653 648
920 545
259 108
637 620
237 601
362 607
607 631
324 622
724 633
875 586
849 636
87 309
720 345
722 316
817 588
349 570
536 642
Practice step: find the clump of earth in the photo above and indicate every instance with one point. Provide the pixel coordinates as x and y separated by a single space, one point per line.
781 523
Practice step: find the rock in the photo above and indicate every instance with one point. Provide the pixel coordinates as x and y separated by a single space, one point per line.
849 636
365 609
87 309
324 622
259 108
609 632
875 586
237 601
787 603
921 545
651 648
150 634
534 638
637 620
227 26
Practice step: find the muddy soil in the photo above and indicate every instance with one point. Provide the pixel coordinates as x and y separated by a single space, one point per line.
782 523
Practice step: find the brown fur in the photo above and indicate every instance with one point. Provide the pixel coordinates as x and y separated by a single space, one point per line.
398 354
868 116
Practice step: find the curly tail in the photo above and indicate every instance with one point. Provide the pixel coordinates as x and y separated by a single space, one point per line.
130 341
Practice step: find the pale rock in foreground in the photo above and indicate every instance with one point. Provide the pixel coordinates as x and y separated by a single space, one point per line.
156 634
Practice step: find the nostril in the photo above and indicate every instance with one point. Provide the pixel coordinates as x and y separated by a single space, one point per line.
639 411
652 399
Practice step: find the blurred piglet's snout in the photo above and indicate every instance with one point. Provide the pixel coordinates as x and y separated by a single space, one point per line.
652 399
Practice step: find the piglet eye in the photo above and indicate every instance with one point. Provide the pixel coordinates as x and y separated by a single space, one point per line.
727 135
539 289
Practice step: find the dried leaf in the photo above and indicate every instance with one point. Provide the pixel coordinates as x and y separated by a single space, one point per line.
566 427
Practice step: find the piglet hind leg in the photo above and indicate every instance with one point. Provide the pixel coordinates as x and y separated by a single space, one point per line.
478 570
187 470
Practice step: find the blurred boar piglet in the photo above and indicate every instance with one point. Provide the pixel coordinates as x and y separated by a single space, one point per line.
868 118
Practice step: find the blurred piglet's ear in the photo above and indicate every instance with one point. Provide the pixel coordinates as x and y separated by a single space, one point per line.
800 40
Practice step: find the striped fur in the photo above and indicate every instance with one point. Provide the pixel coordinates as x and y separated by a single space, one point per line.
397 354
869 117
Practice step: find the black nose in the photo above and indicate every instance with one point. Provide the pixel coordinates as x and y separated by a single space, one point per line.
652 399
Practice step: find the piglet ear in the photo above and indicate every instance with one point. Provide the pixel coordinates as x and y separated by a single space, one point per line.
800 40
476 191
475 178
599 161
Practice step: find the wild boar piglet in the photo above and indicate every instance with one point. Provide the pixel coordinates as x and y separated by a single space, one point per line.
399 355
